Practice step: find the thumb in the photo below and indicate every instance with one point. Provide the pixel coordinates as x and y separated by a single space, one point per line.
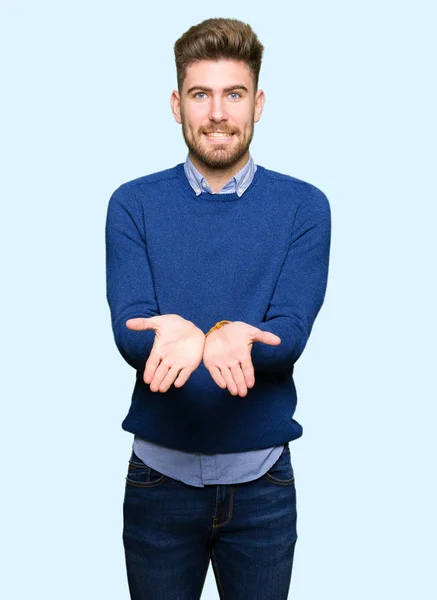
141 323
266 337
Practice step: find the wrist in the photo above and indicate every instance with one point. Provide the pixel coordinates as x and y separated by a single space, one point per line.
217 326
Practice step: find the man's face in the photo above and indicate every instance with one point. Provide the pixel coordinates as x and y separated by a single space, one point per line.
218 107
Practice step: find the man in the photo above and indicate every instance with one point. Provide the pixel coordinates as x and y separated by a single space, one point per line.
216 271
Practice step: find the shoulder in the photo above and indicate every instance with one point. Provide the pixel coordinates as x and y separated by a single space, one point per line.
309 203
129 189
293 184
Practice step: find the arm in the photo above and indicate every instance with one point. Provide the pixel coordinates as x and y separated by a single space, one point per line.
300 289
129 285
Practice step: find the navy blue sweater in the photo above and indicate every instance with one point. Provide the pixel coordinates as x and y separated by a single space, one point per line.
261 258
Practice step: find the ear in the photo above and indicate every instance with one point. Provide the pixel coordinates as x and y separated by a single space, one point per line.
259 105
175 103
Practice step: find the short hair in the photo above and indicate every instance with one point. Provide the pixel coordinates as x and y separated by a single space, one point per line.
215 39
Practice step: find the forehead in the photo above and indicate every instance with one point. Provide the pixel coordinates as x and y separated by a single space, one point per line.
216 74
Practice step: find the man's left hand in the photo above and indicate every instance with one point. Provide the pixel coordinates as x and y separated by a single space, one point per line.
226 355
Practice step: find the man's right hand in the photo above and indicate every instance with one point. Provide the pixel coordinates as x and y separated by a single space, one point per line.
177 350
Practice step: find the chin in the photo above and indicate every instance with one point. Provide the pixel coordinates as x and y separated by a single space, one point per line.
221 158
219 162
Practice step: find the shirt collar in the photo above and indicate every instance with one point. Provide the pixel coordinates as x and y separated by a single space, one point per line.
238 183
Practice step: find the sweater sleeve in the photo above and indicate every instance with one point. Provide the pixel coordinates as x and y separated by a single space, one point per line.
129 285
300 288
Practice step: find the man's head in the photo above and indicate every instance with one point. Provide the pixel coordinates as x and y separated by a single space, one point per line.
218 63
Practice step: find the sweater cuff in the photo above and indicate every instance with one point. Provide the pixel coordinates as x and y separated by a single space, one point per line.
282 357
134 346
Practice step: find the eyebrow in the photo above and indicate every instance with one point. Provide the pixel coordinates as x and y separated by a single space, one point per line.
202 88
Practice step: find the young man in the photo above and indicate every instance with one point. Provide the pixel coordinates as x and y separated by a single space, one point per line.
216 271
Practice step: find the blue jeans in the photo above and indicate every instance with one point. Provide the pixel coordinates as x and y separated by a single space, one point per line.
172 530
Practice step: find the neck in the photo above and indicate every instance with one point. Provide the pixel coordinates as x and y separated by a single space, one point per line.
218 177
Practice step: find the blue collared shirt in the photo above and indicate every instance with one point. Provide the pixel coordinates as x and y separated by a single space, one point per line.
238 183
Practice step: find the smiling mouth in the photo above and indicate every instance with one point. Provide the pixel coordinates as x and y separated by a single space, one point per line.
218 135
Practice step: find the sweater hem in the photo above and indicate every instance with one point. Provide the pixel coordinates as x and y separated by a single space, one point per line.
281 438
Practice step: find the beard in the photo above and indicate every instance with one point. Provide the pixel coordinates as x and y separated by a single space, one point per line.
218 156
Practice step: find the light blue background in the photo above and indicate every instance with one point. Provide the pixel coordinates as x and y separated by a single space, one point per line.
351 100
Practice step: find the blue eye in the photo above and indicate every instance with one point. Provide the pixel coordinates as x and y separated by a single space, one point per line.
235 94
197 95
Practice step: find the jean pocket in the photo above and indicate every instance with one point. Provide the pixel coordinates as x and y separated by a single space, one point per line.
141 475
281 473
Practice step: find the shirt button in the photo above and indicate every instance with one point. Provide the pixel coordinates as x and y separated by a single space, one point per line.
203 184
240 191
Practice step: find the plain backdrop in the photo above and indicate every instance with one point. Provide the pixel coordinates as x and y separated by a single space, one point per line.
350 89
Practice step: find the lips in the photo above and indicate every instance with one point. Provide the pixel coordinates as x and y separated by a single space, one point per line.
219 137
219 132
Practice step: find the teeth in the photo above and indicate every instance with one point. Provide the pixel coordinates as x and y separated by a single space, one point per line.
215 134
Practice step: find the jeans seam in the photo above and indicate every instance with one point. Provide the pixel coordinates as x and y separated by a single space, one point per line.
278 481
134 465
219 580
147 484
231 505
204 577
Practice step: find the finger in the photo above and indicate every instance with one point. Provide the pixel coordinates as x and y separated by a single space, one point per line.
217 376
151 366
140 323
230 383
266 337
160 374
248 372
169 379
182 377
238 377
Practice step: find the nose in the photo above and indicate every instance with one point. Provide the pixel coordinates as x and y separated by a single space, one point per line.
217 109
